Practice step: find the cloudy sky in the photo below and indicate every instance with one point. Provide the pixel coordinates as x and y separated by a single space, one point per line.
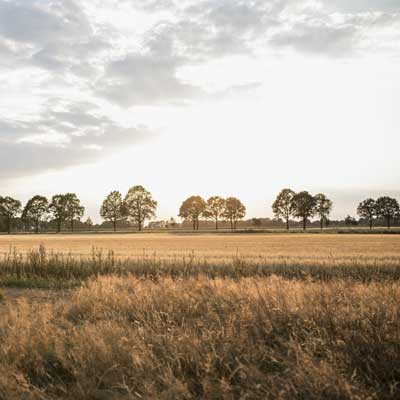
228 97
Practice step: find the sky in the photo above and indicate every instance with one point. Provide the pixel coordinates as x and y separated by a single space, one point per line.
208 97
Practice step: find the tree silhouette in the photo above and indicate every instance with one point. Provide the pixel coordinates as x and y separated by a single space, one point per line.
282 206
215 208
367 209
74 210
303 206
9 209
323 207
192 208
113 208
140 205
36 210
387 208
58 209
234 211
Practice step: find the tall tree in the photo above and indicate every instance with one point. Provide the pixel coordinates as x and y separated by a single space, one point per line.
58 209
303 206
9 209
282 207
140 205
367 209
36 210
74 210
323 207
234 211
192 208
113 209
387 208
215 208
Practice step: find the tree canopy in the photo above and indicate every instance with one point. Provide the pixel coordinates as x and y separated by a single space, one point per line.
9 209
303 206
192 208
234 211
387 208
215 208
113 208
36 211
282 206
140 205
367 209
323 207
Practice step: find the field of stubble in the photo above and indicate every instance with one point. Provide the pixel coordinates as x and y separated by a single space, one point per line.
200 317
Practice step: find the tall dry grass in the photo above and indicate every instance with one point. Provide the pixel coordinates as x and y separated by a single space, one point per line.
43 269
199 338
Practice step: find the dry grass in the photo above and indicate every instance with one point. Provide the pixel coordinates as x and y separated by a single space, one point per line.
216 247
40 269
129 338
199 317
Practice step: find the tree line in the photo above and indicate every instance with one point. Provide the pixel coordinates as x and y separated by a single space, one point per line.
138 206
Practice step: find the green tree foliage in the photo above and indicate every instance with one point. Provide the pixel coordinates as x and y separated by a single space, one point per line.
323 207
9 209
191 209
387 208
215 208
367 209
234 211
282 206
36 211
113 208
140 205
303 207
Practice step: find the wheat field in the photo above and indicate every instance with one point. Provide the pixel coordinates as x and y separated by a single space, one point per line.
216 246
158 316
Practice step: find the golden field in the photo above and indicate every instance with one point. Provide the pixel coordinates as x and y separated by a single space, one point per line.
216 246
209 316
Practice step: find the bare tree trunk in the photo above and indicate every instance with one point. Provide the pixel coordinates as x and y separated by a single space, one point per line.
194 224
216 223
388 222
58 226
72 225
322 224
304 223
370 223
287 223
115 225
36 226
9 225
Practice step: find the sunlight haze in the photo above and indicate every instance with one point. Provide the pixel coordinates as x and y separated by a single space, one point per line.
230 98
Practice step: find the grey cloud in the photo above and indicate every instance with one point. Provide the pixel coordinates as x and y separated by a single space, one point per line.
362 5
86 136
144 79
53 35
318 38
42 22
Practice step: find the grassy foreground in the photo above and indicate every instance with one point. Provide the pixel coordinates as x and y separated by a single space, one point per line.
197 338
38 268
317 321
